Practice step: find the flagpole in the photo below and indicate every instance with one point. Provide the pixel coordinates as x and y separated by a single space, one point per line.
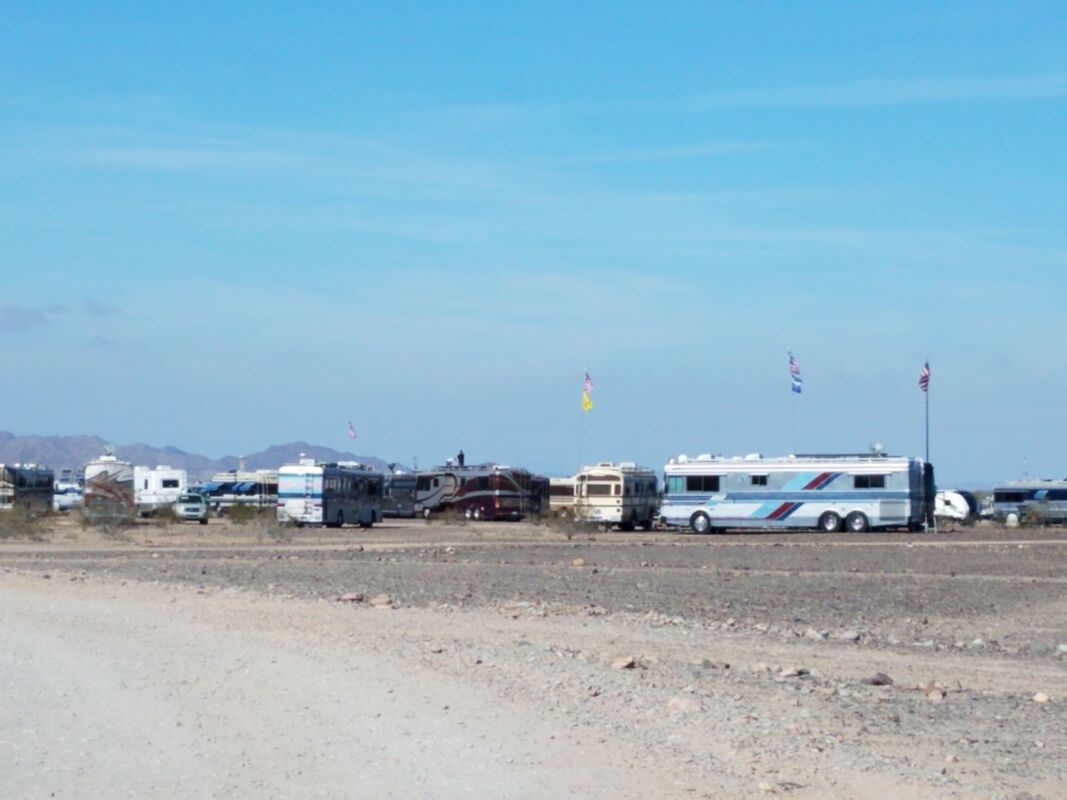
927 393
793 408
581 427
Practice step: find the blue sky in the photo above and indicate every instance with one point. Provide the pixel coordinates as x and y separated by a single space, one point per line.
224 226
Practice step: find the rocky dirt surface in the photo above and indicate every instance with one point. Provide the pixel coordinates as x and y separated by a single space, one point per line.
800 665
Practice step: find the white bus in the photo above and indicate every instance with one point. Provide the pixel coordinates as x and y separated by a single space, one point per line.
827 492
621 494
310 493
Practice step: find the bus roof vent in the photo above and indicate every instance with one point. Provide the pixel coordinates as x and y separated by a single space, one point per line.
754 457
705 457
683 459
628 464
306 462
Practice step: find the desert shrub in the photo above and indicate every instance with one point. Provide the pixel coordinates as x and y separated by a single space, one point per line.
244 515
17 523
164 516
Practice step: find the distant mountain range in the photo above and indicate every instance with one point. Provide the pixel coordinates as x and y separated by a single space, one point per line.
62 452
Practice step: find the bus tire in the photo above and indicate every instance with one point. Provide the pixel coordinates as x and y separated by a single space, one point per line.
830 522
700 522
476 513
857 522
426 513
468 513
631 524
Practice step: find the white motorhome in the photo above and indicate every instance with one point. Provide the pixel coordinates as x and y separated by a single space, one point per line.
852 491
561 496
157 487
621 494
109 490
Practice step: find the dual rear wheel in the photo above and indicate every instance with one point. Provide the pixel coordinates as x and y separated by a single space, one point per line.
856 522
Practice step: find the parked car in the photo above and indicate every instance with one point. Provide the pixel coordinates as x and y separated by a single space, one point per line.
191 508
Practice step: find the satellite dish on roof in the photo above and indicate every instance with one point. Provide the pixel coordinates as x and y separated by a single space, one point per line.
877 449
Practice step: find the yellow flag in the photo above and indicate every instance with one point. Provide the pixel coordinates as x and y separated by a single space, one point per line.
587 402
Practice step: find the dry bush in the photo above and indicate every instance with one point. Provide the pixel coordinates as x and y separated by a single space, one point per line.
164 516
450 516
564 524
17 523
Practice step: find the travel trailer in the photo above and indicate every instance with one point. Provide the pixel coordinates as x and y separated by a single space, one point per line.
622 494
310 493
955 505
109 494
159 487
826 492
26 487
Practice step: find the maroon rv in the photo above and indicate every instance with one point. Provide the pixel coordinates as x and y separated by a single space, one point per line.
482 491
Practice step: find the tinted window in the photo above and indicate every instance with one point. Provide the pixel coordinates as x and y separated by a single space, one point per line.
702 483
869 481
597 489
759 480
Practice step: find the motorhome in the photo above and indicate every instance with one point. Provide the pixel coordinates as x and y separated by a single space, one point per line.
482 491
109 494
1034 501
258 489
26 487
157 487
622 494
398 499
827 492
334 494
561 496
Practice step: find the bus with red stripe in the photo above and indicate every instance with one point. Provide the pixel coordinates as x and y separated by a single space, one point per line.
854 492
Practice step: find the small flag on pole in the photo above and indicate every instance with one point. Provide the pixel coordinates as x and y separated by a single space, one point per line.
587 389
924 377
794 374
351 430
587 386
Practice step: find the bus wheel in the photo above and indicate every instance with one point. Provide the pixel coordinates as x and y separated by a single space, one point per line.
426 513
830 522
632 523
477 513
700 523
857 522
468 513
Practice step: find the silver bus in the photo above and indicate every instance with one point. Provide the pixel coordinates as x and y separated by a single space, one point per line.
825 492
1042 501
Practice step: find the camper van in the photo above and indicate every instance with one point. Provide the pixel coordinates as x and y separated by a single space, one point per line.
622 494
826 492
334 494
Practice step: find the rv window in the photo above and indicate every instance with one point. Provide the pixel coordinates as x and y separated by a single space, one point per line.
436 482
170 483
561 491
483 483
675 484
869 481
702 483
759 480
597 489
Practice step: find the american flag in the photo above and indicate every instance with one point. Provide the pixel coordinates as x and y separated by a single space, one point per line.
794 374
924 377
587 386
351 430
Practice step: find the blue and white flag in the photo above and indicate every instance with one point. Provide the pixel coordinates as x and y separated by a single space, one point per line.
794 374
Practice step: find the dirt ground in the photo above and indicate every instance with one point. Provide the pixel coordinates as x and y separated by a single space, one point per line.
519 660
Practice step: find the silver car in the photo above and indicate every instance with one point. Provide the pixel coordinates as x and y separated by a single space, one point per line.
191 508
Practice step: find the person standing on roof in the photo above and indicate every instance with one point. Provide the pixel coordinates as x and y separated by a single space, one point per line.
460 458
